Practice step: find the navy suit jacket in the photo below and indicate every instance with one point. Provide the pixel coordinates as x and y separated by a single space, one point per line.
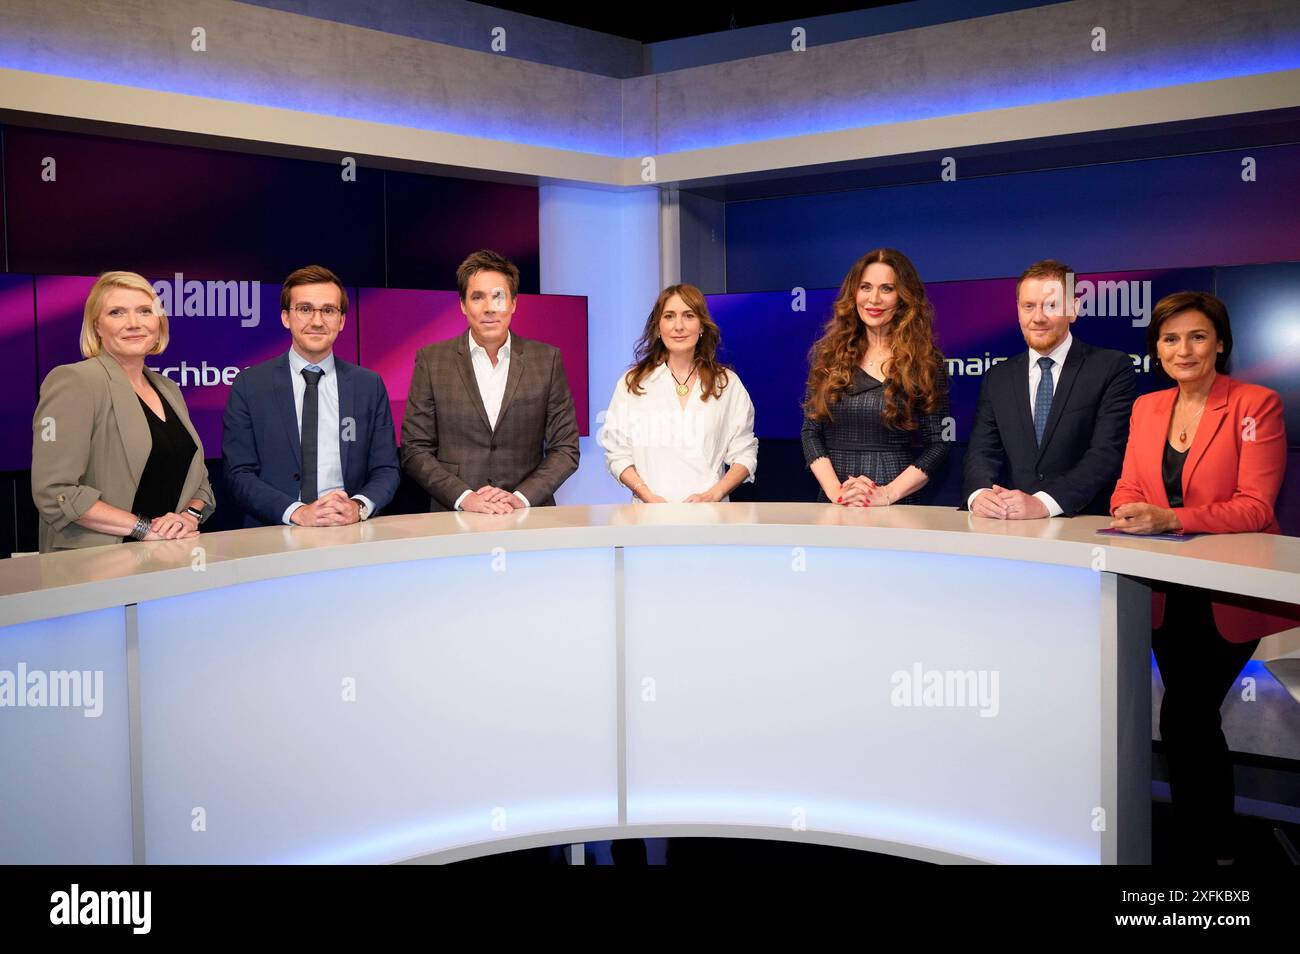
1083 445
263 453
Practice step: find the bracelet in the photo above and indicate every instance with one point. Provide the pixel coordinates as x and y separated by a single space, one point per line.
197 514
141 528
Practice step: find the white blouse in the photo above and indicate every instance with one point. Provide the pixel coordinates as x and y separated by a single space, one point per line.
678 451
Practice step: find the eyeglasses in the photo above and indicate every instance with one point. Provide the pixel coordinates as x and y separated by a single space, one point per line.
305 311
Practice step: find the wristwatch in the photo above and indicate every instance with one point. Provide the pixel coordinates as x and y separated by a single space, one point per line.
362 510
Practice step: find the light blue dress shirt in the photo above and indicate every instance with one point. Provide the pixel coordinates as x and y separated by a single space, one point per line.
329 463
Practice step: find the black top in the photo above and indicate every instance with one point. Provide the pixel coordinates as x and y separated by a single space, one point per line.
858 443
1171 471
169 461
1186 607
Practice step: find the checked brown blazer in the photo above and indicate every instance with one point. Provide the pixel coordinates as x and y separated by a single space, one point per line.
448 446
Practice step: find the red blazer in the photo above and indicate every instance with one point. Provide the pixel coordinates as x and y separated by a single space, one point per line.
1230 484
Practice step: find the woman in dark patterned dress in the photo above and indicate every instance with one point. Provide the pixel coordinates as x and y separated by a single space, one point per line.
876 381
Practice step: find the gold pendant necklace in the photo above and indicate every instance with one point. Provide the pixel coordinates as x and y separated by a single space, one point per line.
1182 435
682 387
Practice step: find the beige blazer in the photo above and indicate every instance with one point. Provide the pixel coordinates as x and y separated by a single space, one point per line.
90 441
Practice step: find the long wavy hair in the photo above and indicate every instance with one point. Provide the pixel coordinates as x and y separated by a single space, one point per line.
915 379
651 352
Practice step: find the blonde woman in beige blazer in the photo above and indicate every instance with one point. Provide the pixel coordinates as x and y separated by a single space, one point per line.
112 438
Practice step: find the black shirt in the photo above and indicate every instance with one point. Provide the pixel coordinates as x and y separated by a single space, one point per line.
1185 606
1171 472
169 462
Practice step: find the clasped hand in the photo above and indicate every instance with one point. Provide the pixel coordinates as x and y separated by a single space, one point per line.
489 499
862 491
1004 504
332 509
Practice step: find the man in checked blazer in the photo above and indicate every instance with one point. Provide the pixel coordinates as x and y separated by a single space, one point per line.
489 424
1053 419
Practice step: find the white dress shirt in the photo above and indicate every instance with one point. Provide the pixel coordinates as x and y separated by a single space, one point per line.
329 464
491 382
679 451
1057 355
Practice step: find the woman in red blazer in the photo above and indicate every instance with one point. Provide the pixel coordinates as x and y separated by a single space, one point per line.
1206 456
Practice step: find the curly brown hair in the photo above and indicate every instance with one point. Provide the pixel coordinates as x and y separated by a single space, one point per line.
650 350
916 368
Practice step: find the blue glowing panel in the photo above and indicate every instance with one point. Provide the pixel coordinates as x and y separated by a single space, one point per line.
882 695
380 713
1176 212
766 340
65 788
1264 308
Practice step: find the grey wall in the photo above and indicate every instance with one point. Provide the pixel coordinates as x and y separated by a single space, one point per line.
268 58
872 89
833 28
703 237
470 25
1028 56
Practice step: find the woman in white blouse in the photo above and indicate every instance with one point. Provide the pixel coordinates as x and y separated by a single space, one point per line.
678 416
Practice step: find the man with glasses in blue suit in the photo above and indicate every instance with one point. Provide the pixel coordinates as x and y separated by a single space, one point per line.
308 437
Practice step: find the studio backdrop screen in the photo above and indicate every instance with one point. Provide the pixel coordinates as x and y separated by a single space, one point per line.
767 335
219 328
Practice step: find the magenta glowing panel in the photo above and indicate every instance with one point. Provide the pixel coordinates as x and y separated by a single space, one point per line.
17 371
396 322
216 331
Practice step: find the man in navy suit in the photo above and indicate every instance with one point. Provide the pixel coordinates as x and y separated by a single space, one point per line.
1053 419
308 437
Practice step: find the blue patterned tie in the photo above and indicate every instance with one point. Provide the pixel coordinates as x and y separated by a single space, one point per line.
1043 398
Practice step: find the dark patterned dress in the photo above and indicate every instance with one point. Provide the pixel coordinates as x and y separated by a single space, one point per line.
858 443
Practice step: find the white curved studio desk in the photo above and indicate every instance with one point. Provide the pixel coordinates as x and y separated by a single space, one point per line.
910 680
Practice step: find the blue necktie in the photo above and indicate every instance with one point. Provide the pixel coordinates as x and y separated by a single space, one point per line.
310 416
1043 398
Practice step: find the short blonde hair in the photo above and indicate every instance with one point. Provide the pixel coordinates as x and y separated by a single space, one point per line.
90 341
